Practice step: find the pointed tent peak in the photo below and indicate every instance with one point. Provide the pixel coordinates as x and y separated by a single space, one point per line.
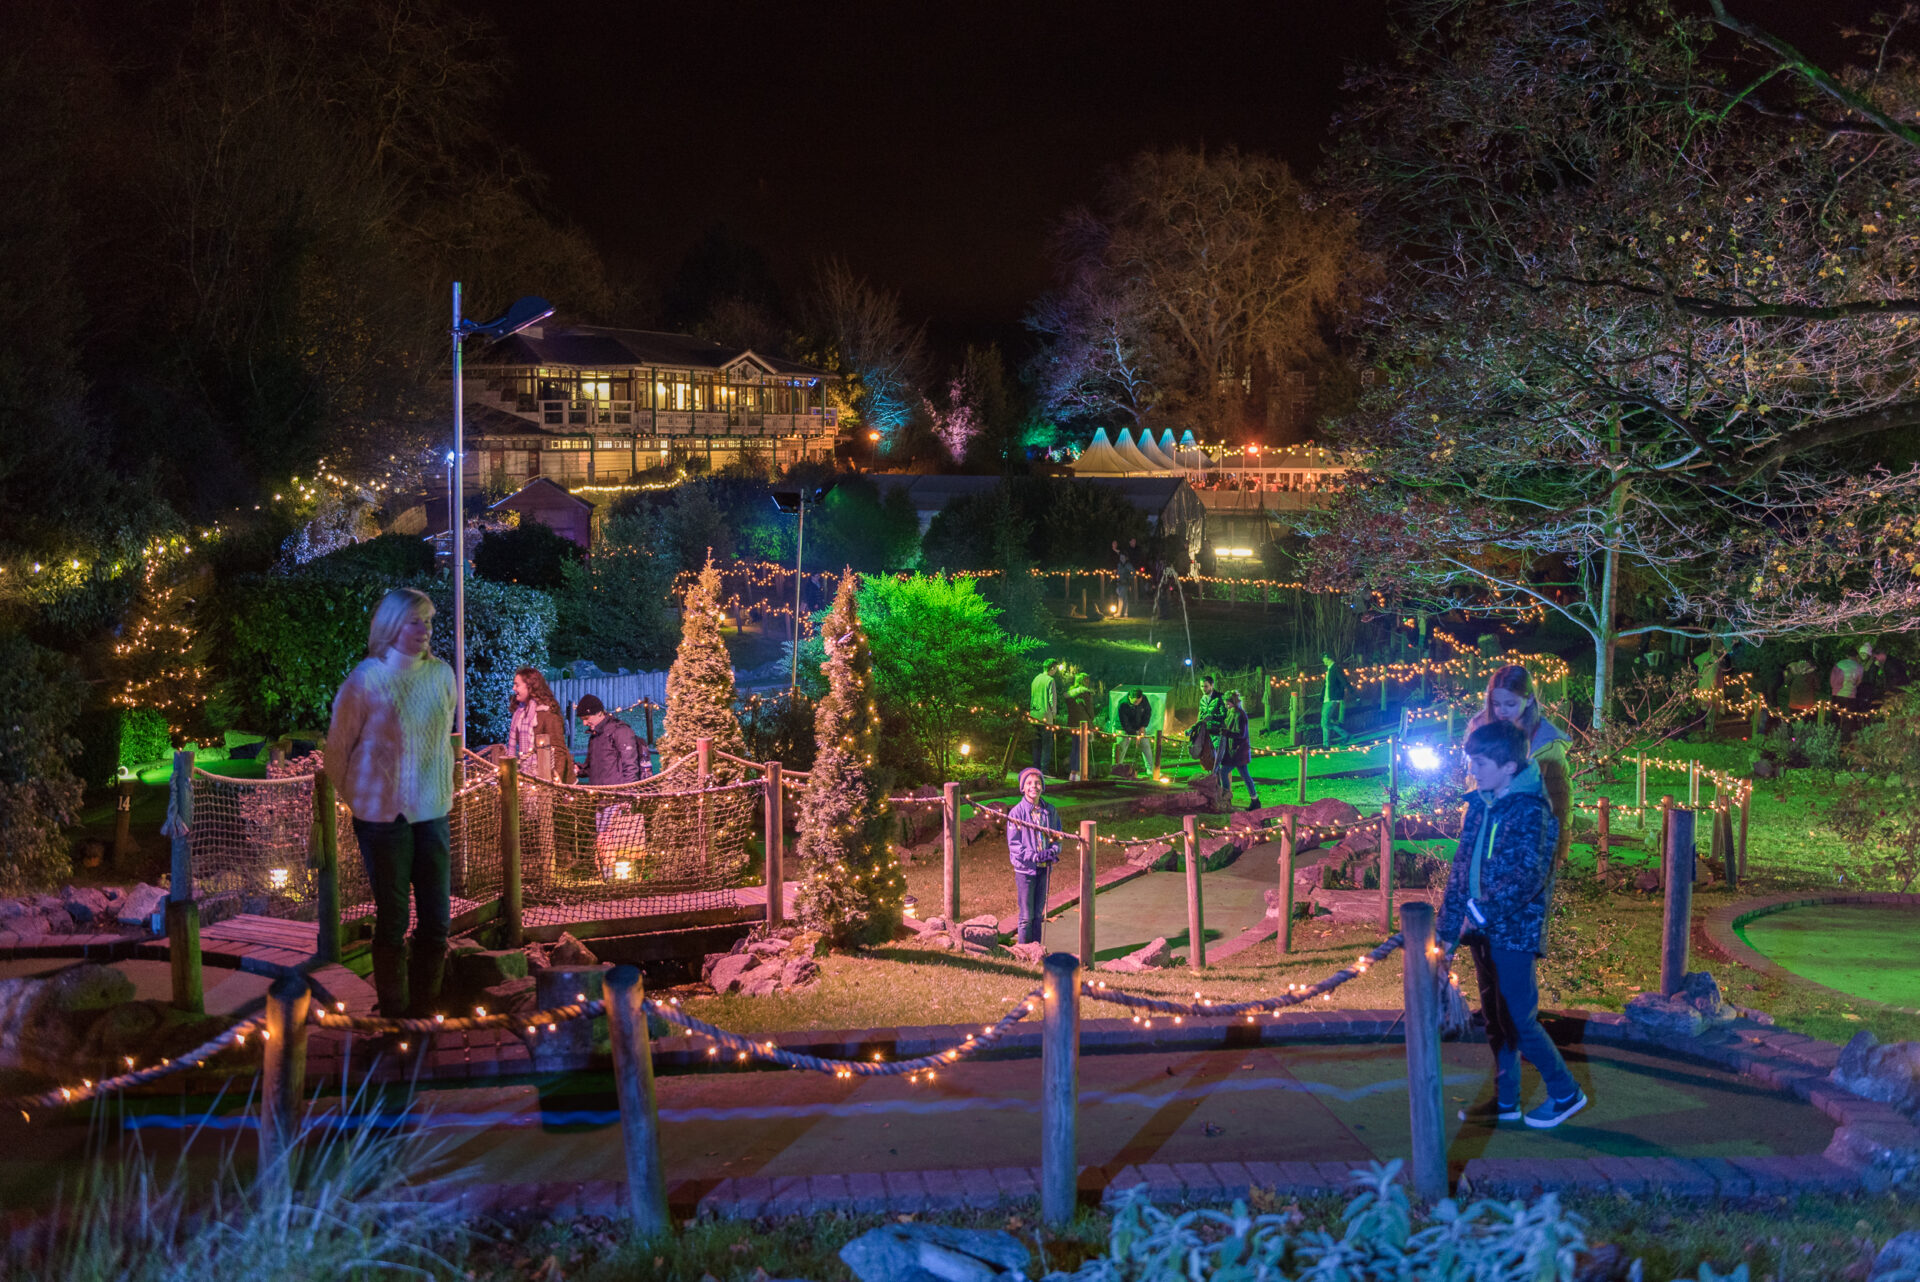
1101 459
1166 440
1155 455
1126 449
1099 439
1186 438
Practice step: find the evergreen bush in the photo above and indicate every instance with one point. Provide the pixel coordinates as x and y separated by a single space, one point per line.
530 554
853 892
39 795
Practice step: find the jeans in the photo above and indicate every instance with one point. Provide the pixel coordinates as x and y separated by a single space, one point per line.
1510 1000
1224 773
406 859
1043 749
1030 891
1125 742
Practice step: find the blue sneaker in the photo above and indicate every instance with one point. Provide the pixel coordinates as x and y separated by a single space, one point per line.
1554 1112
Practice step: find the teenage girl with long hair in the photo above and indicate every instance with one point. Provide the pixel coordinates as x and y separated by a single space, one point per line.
1511 697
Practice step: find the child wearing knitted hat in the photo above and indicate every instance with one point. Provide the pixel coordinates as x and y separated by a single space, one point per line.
1032 852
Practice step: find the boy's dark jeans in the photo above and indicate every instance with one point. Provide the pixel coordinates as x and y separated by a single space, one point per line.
1510 1000
408 860
1030 891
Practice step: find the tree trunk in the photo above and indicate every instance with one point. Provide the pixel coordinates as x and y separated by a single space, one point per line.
1605 637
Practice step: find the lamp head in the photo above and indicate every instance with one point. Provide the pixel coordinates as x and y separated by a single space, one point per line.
521 313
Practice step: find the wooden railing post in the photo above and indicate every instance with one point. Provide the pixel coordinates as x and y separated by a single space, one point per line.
510 852
183 911
1293 717
1059 1089
639 1114
1089 854
1303 774
1284 933
1693 783
1679 901
122 824
324 857
1196 912
950 848
1640 788
1386 868
776 837
703 759
1156 753
283 1069
1660 837
1420 986
1393 768
1086 751
1746 806
1601 849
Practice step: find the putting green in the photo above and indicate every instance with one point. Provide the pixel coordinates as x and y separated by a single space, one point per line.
1865 950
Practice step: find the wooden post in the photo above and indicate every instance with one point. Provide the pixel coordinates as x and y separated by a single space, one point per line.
1086 751
1383 688
1196 914
1603 836
776 839
1679 903
1293 716
950 849
1420 986
1393 768
1660 836
183 911
1156 754
1746 806
324 856
1723 841
1089 853
283 1070
1303 774
1756 719
1450 719
1283 934
122 824
1059 1089
510 852
703 757
1386 868
1693 783
646 709
1820 715
633 1088
1640 788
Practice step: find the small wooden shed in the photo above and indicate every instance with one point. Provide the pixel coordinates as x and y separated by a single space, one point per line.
554 506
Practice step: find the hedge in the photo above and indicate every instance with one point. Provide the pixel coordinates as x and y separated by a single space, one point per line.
284 643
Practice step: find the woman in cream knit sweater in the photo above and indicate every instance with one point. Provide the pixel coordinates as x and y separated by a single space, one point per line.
390 756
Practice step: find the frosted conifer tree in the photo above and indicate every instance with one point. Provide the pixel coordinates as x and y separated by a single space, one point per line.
700 684
854 889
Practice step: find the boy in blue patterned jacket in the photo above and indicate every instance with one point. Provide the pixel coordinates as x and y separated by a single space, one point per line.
1032 852
1498 898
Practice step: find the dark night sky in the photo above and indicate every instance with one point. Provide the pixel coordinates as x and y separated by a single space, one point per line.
930 144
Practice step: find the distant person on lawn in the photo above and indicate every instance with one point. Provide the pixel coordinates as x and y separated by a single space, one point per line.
1032 853
1499 897
614 754
1045 708
390 757
1511 698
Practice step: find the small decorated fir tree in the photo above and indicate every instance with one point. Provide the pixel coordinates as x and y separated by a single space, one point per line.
700 684
853 890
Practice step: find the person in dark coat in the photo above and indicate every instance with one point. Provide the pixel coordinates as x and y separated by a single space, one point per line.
1498 900
614 754
1236 751
1131 719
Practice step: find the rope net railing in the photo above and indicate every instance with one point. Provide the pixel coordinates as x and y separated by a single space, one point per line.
251 839
650 848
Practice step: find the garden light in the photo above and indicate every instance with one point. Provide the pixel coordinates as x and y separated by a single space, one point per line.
623 870
966 749
911 906
1422 757
277 877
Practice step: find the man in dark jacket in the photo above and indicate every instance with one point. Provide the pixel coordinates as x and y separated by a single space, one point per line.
1498 898
1131 719
614 755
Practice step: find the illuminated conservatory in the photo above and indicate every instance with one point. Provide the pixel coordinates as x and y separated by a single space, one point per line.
581 404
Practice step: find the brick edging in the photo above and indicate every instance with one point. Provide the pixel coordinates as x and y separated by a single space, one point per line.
1719 933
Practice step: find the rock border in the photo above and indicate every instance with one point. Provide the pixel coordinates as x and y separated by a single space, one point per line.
1719 933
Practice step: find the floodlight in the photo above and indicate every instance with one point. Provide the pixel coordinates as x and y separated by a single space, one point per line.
1422 757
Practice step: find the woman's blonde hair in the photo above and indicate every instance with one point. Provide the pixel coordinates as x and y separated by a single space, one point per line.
396 609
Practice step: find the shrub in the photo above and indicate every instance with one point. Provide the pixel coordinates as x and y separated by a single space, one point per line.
285 643
530 554
39 795
613 609
391 556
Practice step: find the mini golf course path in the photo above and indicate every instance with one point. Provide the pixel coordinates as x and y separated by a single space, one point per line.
1853 946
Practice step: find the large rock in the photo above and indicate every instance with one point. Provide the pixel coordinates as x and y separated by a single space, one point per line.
1032 954
1690 1012
1144 958
729 971
85 904
982 932
144 901
1898 1260
1155 855
37 1028
762 981
30 925
1890 1074
1886 1154
935 1253
474 969
799 972
1328 811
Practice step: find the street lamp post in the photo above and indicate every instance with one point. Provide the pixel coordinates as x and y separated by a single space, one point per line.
796 501
524 312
